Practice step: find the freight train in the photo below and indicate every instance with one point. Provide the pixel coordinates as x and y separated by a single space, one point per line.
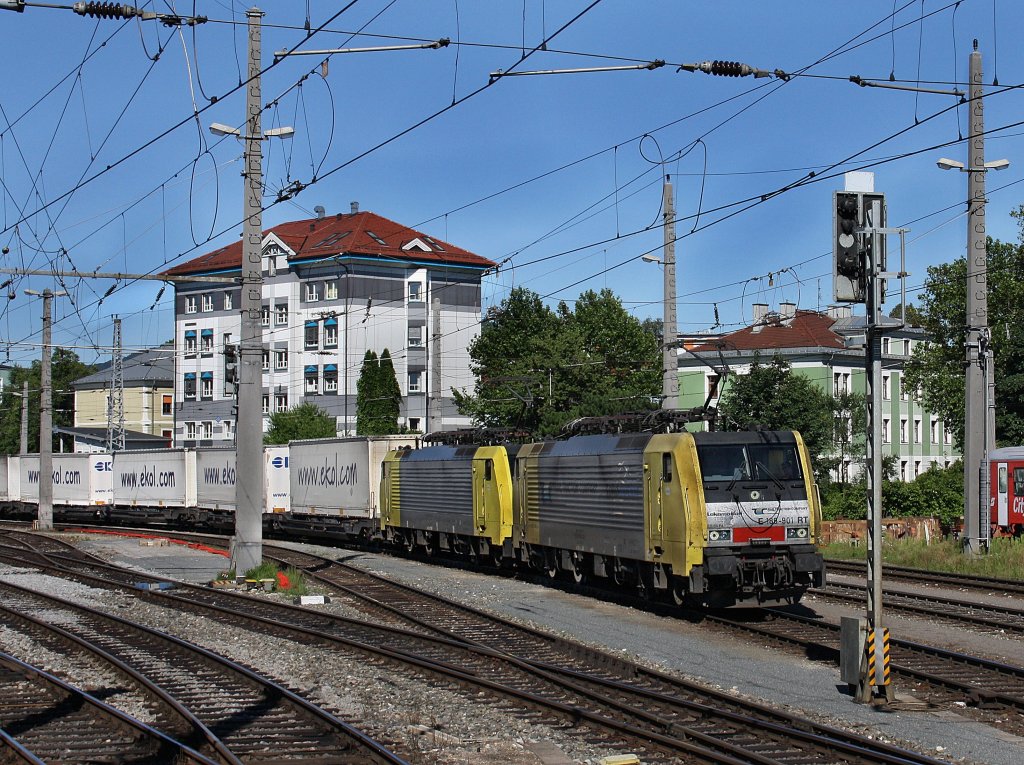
714 518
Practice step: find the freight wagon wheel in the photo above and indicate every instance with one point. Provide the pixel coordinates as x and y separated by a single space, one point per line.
409 541
429 546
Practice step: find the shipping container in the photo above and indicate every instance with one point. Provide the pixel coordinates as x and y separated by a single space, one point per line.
154 478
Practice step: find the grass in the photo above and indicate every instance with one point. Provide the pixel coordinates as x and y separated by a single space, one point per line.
1005 560
296 582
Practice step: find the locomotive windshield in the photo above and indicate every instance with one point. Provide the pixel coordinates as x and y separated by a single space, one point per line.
749 462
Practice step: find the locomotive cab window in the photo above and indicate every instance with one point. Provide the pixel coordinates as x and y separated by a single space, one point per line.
488 470
666 466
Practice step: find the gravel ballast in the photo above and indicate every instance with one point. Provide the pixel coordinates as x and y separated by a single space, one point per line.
436 722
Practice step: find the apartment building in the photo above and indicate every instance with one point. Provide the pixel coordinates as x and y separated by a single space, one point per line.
827 348
334 287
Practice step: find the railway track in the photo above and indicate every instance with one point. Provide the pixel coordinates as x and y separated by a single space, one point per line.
46 720
965 581
972 679
982 616
236 714
667 719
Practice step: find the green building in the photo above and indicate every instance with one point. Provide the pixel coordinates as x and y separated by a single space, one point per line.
827 348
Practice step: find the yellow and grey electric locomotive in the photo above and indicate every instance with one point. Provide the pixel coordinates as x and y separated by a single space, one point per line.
710 517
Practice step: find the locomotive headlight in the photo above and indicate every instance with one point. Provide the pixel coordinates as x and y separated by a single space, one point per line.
796 533
720 535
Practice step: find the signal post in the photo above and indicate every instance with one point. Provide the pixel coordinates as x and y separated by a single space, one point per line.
859 227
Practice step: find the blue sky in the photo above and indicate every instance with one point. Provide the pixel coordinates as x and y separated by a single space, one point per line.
548 175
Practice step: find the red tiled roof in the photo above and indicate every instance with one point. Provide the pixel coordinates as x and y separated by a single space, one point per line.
361 233
807 329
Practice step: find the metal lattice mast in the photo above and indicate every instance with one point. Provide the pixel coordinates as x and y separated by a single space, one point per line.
115 401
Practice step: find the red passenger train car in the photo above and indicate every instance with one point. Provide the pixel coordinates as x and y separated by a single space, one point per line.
1006 492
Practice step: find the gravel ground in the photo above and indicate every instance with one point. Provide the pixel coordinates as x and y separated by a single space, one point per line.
442 725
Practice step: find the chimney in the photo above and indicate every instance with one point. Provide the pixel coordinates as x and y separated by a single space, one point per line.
787 309
840 311
355 207
760 312
320 212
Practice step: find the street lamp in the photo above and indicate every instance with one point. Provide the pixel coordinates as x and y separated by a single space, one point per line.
979 398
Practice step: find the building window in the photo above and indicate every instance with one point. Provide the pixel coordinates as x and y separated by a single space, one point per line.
886 345
415 292
206 387
281 314
414 424
227 301
414 382
886 435
903 470
190 385
330 290
190 343
713 382
265 316
312 335
841 383
207 303
228 424
885 387
207 431
330 334
266 405
190 304
207 341
903 430
917 431
935 431
312 383
281 402
312 292
190 431
904 393
266 361
168 402
415 337
281 360
330 382
947 436
909 347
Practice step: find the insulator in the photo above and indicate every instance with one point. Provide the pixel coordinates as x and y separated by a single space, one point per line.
727 68
106 10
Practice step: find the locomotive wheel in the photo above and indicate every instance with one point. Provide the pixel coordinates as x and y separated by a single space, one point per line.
678 594
429 546
577 569
409 542
551 565
497 556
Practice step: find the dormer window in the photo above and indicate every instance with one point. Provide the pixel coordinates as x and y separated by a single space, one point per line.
272 265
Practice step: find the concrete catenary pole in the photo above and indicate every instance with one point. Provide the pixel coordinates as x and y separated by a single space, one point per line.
669 361
434 404
45 516
247 550
24 417
975 414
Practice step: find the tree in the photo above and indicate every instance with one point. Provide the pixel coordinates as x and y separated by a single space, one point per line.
378 397
770 395
302 421
65 368
537 369
937 367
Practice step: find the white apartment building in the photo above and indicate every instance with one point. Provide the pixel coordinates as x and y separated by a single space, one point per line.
334 287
